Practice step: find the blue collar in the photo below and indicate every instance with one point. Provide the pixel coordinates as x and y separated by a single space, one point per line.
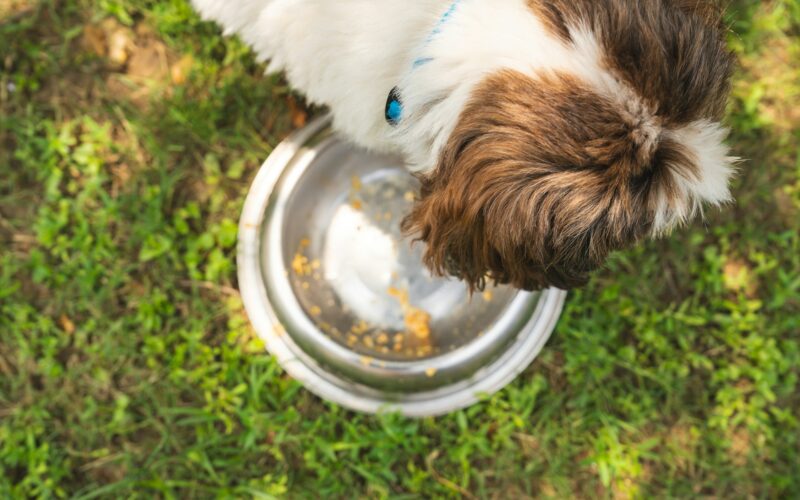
394 103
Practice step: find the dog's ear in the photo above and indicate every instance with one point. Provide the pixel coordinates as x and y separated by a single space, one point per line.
537 188
671 53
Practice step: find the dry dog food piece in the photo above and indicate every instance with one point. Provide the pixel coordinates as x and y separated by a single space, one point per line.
418 346
418 323
315 311
416 341
300 265
399 342
424 350
360 328
416 320
355 187
487 296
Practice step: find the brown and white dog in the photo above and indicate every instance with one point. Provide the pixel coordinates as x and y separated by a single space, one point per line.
546 133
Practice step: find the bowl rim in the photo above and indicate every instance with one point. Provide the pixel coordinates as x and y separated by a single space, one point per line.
517 355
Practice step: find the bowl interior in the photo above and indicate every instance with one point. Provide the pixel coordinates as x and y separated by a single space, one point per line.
355 275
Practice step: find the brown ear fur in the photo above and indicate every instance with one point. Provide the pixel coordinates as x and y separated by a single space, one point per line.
538 188
543 178
672 53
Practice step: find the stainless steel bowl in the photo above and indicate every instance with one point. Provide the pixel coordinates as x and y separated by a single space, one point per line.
344 302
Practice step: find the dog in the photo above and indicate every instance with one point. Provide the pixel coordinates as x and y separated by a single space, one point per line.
546 134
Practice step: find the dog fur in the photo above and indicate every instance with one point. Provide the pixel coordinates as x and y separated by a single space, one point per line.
546 133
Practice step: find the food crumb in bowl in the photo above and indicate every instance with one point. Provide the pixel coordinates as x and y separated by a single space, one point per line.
409 196
300 265
315 311
382 339
424 350
487 296
430 372
418 323
416 320
360 328
417 346
366 360
305 242
355 182
357 204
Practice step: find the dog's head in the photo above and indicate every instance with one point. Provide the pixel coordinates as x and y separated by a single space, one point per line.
549 170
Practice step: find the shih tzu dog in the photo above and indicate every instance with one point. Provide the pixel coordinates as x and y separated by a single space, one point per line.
546 133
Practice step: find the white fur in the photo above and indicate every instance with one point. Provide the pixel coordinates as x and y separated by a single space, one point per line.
345 54
705 142
348 55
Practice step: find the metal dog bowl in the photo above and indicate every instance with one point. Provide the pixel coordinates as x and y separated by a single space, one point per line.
344 302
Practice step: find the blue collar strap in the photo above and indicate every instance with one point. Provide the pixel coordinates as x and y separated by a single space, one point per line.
394 103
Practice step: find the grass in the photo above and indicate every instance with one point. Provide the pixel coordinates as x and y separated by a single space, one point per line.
128 368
